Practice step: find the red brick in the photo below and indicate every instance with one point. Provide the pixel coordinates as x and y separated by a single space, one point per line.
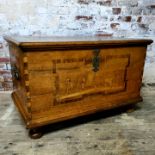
126 18
116 11
4 71
84 17
83 1
101 34
139 19
114 25
4 60
106 2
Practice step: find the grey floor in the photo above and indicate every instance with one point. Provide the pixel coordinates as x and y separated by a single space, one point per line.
110 133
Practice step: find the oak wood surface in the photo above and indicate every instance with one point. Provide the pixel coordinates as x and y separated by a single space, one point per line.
52 43
60 82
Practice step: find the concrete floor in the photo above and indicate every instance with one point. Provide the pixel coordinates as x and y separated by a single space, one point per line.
108 133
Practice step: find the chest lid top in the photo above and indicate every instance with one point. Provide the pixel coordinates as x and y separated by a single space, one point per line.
39 43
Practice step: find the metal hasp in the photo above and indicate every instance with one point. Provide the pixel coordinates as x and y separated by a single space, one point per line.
96 60
15 72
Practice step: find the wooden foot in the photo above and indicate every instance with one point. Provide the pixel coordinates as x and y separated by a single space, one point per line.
131 109
35 133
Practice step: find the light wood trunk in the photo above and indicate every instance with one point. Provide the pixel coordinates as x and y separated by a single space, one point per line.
57 79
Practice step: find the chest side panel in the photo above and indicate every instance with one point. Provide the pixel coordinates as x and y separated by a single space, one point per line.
19 78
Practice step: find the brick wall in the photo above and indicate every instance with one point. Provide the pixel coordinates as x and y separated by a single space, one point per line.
122 18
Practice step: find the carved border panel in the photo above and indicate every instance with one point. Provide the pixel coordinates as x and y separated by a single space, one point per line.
75 78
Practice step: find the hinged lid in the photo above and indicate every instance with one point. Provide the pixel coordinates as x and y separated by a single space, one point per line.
51 43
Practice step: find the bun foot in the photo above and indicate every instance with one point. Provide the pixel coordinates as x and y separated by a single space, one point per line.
35 133
131 109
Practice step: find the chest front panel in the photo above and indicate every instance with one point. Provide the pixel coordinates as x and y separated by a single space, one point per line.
66 77
60 78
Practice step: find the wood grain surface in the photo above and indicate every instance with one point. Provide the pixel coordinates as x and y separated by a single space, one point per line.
63 79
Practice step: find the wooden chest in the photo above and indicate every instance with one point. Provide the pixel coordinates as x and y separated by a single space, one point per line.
61 78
